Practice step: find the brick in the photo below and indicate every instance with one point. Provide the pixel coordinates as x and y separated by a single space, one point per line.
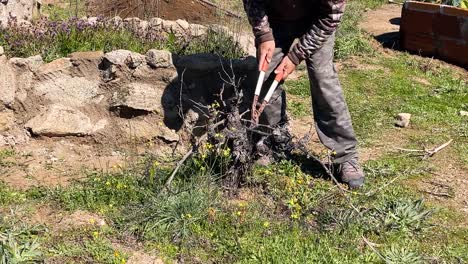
464 29
417 22
419 43
454 50
424 7
447 26
454 11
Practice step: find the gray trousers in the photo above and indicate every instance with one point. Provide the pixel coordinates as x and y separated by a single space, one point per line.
332 119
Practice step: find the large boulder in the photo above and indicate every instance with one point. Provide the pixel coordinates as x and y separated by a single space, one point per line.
56 83
140 96
86 64
18 9
59 120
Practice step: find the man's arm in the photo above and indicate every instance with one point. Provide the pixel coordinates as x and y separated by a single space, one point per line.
331 12
256 12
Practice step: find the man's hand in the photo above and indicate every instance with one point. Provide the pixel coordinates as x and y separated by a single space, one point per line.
266 50
286 66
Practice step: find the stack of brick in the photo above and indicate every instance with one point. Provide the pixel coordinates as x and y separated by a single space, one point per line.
435 30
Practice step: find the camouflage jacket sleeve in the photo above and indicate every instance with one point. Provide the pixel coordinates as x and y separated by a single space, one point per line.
256 12
331 12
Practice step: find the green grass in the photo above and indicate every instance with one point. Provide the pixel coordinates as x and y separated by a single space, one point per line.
289 217
284 213
56 39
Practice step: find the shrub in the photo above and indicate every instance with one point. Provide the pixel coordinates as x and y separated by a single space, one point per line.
55 39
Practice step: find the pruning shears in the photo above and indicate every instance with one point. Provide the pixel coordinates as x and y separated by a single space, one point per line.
257 112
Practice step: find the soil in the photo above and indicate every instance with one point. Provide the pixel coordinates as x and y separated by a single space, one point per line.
383 23
194 11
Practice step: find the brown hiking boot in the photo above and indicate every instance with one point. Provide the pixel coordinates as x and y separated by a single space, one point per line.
351 173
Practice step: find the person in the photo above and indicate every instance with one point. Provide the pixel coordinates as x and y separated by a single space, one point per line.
277 24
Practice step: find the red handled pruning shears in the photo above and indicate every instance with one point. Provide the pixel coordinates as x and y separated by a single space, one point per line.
256 113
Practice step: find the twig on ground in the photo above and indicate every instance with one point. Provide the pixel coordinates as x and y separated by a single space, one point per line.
372 246
427 153
370 193
441 147
439 194
176 169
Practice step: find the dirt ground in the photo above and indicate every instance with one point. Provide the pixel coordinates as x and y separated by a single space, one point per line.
449 182
49 162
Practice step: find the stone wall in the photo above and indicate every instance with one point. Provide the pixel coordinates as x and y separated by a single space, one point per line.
435 30
18 9
110 98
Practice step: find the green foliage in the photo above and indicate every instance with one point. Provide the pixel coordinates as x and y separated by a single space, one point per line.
103 193
86 245
404 214
7 195
299 108
350 40
216 42
12 253
55 39
397 255
18 242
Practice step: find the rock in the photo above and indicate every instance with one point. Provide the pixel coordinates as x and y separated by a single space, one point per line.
159 58
19 9
183 24
117 57
132 24
143 27
155 23
92 21
116 22
140 96
403 120
7 119
2 51
59 120
197 30
125 57
54 69
86 64
68 90
464 113
172 27
7 83
167 134
135 60
14 136
32 62
78 58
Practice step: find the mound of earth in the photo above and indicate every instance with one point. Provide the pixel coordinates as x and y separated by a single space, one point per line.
194 11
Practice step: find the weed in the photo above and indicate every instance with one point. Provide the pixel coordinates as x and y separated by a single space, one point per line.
397 255
18 242
404 214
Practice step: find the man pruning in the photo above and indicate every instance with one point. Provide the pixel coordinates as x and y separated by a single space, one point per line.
276 25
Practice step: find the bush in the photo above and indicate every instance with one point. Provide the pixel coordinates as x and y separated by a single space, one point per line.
56 39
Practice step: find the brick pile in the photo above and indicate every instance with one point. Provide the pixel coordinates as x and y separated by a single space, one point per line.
435 30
